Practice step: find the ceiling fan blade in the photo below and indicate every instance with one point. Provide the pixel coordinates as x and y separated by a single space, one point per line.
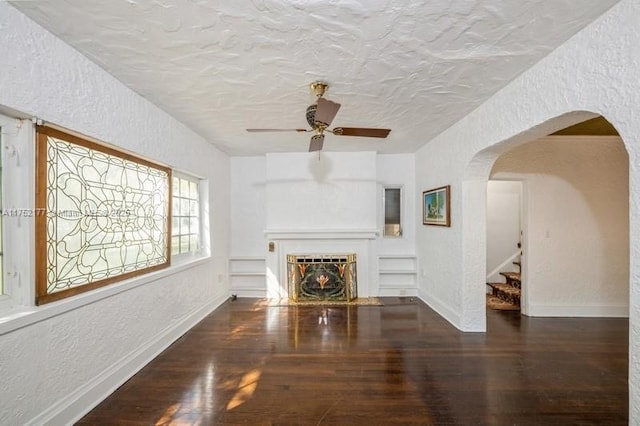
316 143
360 131
277 130
326 111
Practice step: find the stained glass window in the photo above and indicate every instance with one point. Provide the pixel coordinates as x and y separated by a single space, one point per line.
102 215
185 229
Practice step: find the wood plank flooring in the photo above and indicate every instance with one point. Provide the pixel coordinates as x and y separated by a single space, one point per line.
401 363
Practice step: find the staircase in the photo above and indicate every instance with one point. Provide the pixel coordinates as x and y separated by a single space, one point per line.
508 293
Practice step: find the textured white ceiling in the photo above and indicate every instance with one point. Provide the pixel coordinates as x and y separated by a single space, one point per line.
220 67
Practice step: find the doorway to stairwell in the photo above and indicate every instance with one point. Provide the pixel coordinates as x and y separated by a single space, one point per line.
576 222
504 244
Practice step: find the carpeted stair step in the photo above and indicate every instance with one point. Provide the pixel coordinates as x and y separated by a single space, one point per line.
498 304
506 292
513 279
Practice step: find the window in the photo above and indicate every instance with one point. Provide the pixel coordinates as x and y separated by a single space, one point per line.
185 230
102 215
392 212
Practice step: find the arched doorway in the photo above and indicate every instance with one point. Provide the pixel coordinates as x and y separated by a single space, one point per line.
474 187
576 218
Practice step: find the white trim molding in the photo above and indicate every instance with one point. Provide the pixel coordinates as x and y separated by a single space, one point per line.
579 311
321 234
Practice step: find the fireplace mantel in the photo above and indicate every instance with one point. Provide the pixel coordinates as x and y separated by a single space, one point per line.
320 234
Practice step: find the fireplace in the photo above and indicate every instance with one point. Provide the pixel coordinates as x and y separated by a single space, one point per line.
316 243
322 277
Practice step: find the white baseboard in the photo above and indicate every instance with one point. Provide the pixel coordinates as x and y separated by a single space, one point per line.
397 292
256 292
442 309
72 408
598 311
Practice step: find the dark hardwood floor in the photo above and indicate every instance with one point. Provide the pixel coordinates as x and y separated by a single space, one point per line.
248 363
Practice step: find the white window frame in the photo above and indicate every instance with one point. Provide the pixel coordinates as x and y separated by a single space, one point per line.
18 203
203 245
402 210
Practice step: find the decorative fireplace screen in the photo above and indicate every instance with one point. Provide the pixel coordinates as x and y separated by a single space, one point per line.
325 277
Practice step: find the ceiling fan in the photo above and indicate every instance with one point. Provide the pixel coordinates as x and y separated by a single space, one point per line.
320 115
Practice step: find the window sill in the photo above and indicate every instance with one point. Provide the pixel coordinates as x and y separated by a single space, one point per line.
23 316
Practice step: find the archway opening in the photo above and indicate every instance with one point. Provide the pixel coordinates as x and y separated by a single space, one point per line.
575 223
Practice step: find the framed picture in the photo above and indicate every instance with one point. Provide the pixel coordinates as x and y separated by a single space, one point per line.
436 206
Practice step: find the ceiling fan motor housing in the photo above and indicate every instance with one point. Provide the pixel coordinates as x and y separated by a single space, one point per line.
311 116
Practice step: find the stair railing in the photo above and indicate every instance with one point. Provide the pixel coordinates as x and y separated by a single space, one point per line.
505 263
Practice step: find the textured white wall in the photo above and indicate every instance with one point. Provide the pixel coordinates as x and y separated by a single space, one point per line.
49 366
337 191
577 222
595 71
248 206
249 202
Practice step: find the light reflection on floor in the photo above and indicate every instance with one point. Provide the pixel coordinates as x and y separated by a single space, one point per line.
200 399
